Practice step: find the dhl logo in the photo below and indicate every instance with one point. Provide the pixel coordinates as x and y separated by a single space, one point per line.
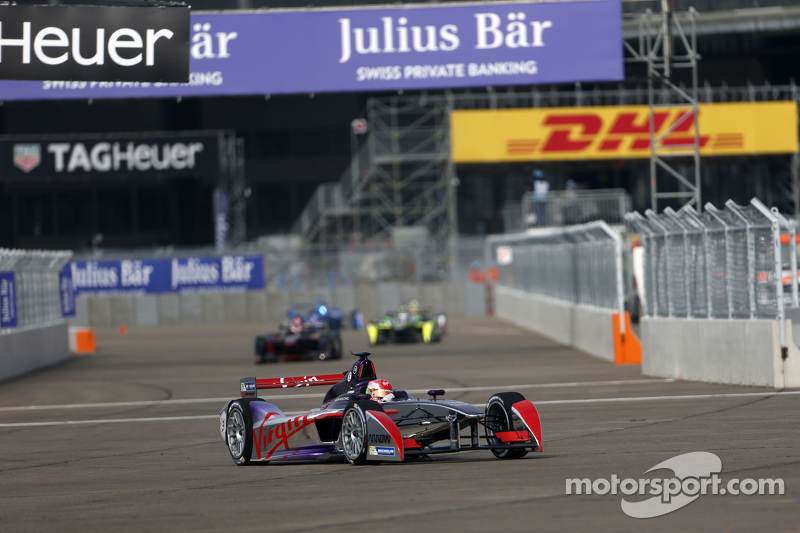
627 131
615 132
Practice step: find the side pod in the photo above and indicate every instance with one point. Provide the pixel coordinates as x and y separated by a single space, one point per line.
527 412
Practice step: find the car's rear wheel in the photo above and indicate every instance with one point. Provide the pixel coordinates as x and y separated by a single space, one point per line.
499 418
239 431
354 430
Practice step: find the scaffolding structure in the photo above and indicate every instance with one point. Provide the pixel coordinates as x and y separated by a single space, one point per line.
668 41
401 176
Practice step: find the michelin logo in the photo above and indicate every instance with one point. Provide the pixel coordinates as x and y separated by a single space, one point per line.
381 450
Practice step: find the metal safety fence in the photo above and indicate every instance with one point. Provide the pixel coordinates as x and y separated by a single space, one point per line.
735 262
581 264
566 208
30 295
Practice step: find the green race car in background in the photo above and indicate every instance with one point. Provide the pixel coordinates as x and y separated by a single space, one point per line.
409 323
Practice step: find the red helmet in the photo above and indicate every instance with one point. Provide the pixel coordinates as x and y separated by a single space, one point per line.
380 390
296 326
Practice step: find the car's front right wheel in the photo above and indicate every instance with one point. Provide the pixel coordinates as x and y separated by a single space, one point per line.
499 418
354 430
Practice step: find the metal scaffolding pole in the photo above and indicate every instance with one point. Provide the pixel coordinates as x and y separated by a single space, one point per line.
665 45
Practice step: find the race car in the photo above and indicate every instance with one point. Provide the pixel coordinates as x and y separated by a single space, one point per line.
410 323
309 332
351 425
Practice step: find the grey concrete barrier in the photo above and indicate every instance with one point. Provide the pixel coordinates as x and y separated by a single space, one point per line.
586 328
270 305
737 352
27 350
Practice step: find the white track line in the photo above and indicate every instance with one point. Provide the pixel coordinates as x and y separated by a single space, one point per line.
550 402
319 395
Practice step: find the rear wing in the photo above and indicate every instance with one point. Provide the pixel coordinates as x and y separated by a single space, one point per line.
250 385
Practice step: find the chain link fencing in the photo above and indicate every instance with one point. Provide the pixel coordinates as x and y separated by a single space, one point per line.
735 262
581 264
30 294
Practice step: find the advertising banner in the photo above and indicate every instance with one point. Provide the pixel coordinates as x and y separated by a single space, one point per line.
8 300
156 276
380 49
98 155
67 292
94 43
621 132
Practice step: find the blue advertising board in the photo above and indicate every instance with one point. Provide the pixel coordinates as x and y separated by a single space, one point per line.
157 276
67 292
8 300
380 49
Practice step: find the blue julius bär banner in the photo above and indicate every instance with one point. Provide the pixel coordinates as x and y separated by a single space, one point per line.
229 272
380 49
67 291
157 276
8 300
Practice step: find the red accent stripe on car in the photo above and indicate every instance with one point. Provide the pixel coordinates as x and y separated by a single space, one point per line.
299 381
513 436
411 443
530 416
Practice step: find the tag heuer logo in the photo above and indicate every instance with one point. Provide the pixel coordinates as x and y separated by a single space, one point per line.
27 156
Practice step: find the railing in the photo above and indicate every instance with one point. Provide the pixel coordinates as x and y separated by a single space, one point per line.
722 263
566 208
580 264
29 288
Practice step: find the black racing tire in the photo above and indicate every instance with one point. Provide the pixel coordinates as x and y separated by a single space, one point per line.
239 430
500 418
354 430
337 348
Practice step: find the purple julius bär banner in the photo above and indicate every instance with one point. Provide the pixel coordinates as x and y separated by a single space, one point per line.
351 50
8 300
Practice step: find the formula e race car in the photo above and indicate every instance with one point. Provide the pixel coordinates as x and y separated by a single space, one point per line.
309 332
349 425
410 323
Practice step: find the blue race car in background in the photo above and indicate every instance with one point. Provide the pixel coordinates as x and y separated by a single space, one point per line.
309 332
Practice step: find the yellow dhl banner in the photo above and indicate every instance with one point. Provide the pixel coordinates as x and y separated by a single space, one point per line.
621 132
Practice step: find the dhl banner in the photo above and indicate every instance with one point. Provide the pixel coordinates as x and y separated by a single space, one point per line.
621 132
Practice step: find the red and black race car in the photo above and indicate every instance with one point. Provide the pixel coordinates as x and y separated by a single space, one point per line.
308 333
353 424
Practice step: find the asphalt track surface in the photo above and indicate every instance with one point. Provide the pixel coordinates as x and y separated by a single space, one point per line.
127 439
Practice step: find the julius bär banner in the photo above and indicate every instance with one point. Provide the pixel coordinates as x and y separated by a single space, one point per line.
621 132
156 276
94 43
378 49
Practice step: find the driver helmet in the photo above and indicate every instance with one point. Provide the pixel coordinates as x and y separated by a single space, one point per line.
296 325
380 390
413 307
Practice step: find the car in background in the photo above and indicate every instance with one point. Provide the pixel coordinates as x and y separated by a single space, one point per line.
310 332
409 323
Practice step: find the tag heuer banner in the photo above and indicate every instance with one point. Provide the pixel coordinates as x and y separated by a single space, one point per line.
156 154
369 49
94 43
